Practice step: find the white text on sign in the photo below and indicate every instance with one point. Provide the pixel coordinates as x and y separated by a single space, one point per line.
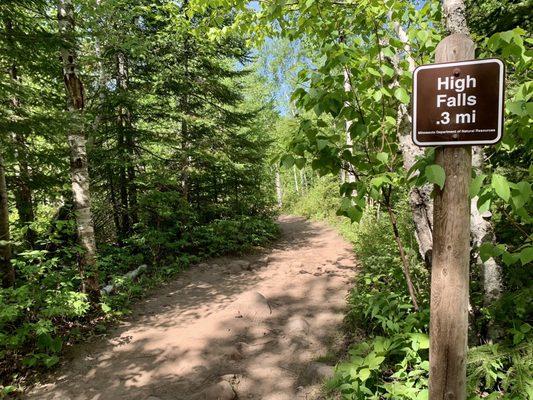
460 99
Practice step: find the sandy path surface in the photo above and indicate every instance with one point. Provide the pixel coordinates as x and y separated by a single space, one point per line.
251 324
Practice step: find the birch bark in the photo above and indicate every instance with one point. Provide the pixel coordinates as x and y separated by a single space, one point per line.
419 197
279 188
78 152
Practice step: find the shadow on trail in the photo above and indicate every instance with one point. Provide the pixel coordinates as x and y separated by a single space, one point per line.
173 346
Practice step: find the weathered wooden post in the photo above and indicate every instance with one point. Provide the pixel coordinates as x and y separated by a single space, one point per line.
451 255
457 103
451 240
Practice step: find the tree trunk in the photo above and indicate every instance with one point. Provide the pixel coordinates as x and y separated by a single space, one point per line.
419 197
184 105
279 188
303 180
349 142
483 232
126 126
78 152
296 188
23 193
132 186
123 190
114 203
6 268
100 89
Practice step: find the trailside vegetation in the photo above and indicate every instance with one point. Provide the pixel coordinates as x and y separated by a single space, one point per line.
129 137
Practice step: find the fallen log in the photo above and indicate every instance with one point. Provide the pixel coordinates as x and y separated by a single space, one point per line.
130 275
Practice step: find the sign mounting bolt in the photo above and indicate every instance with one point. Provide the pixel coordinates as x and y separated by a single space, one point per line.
456 71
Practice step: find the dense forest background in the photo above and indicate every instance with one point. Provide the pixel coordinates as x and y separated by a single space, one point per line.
142 136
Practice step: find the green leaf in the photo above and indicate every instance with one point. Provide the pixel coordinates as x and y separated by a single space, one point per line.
517 107
387 71
435 174
105 308
383 157
483 204
373 361
422 339
390 120
401 94
519 201
322 143
8 389
510 258
364 374
423 394
50 361
529 108
475 185
501 186
373 71
485 251
300 162
526 255
422 35
378 181
287 160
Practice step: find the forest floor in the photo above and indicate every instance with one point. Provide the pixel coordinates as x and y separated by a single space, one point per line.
252 326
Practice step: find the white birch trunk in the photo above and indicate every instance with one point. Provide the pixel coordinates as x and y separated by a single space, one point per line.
419 197
483 232
101 94
303 181
350 176
78 152
454 15
279 188
296 188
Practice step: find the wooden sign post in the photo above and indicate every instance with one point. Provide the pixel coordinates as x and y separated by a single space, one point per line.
457 103
451 256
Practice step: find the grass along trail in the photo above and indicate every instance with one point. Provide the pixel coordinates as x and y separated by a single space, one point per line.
251 326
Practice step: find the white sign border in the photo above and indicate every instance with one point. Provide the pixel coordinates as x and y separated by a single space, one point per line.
461 142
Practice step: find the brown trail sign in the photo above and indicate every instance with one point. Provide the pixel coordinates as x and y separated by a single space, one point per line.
458 103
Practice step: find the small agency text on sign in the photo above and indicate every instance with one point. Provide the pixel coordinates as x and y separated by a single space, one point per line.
458 103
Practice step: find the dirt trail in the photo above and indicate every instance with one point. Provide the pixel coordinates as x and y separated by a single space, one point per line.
257 328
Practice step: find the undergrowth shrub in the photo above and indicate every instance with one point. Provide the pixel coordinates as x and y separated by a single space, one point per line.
31 313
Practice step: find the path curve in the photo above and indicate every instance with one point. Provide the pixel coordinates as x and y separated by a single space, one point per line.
256 327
